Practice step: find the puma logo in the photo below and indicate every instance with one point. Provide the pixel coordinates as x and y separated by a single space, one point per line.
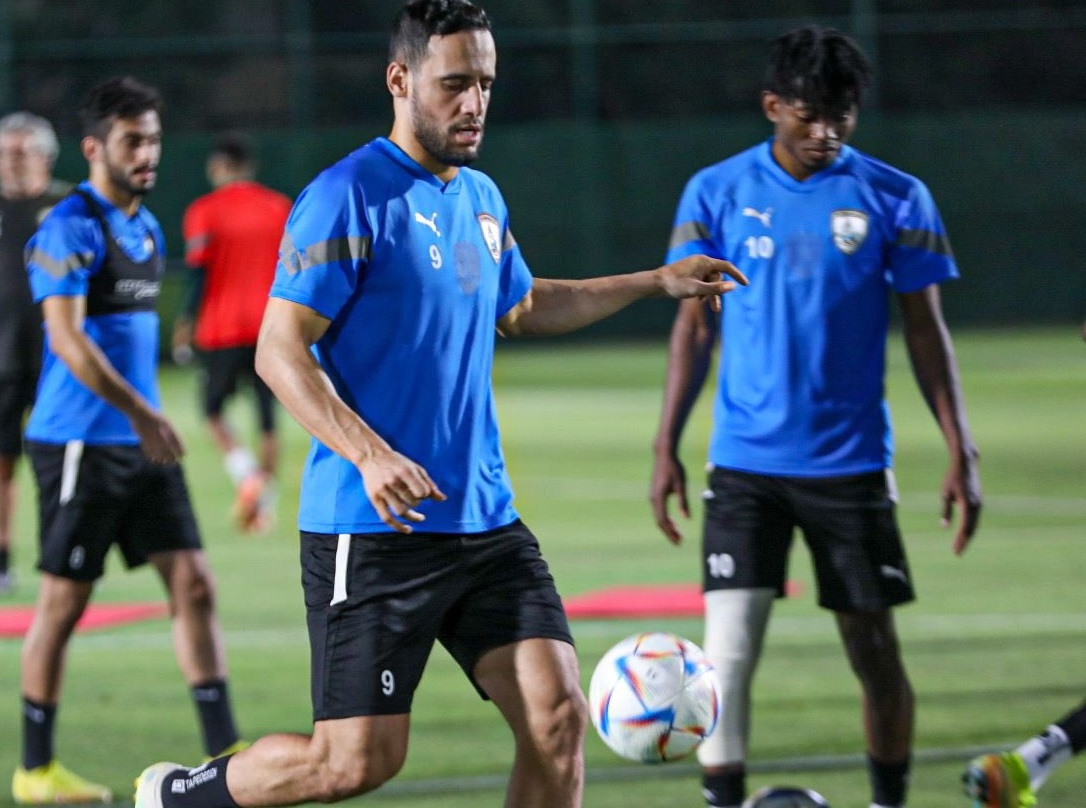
431 222
764 218
893 572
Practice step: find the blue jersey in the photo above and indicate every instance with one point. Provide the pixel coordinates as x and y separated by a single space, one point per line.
87 247
802 366
413 273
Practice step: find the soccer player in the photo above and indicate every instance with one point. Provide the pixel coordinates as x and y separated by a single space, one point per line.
232 240
1012 779
28 150
801 433
397 269
104 456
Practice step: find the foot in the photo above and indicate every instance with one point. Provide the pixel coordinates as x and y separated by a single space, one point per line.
149 784
52 783
254 504
998 781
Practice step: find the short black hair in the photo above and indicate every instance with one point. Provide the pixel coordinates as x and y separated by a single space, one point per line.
419 20
236 147
120 97
822 67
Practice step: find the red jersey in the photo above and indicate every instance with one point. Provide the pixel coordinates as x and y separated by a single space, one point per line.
233 233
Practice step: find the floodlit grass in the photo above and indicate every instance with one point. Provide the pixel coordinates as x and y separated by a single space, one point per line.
995 644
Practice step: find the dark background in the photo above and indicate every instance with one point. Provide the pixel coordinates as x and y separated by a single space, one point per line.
603 109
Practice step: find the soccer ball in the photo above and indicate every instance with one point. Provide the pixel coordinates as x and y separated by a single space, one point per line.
653 697
785 797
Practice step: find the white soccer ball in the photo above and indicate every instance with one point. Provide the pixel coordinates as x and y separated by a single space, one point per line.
785 797
654 697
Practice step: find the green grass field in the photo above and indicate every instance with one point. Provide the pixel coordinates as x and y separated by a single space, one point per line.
995 644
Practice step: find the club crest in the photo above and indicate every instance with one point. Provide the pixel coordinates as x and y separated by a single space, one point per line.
849 229
492 235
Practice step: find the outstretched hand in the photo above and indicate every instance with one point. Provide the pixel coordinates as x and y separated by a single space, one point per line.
701 277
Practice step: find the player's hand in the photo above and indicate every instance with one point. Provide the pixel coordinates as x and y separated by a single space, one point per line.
702 277
158 439
668 478
395 486
961 491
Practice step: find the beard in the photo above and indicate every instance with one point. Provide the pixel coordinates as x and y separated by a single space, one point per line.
437 142
121 180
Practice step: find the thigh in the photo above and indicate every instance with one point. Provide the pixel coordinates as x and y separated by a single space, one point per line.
16 396
851 528
374 604
511 598
529 678
82 495
747 532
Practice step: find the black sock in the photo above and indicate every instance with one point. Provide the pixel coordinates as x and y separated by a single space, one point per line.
38 721
216 718
1074 725
202 787
724 789
5 559
889 781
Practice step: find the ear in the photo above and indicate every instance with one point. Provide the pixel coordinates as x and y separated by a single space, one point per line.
396 79
771 103
91 148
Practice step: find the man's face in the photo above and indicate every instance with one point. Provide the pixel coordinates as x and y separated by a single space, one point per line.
449 95
806 141
23 167
130 153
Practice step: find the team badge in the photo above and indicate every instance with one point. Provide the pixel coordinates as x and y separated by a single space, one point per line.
492 235
849 229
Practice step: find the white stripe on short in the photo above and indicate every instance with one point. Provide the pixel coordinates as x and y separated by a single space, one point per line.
339 583
69 475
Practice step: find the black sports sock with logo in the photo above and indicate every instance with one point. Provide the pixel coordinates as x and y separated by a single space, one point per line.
216 718
889 781
202 787
38 721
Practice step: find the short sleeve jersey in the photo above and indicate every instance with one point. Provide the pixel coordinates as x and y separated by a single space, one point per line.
71 255
801 375
20 318
233 235
413 274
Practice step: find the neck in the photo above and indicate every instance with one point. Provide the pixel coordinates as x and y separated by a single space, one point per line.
121 199
414 150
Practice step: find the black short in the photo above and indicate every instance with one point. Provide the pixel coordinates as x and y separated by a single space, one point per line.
224 369
16 398
849 525
377 602
92 497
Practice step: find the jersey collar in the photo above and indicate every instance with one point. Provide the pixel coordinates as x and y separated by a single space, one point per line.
411 166
844 157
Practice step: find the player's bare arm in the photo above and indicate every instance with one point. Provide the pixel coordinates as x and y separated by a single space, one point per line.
560 306
394 484
932 356
64 317
690 350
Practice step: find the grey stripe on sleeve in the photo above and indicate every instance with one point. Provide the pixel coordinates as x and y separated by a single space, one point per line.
351 248
924 240
688 231
58 269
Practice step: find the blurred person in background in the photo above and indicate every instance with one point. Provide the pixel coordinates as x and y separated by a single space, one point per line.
28 191
105 458
232 240
801 432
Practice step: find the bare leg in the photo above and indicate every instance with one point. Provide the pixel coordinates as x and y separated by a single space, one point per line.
872 646
58 608
7 498
343 758
269 453
197 638
535 685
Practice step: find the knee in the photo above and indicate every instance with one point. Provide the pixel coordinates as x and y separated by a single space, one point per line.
345 778
196 591
558 734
